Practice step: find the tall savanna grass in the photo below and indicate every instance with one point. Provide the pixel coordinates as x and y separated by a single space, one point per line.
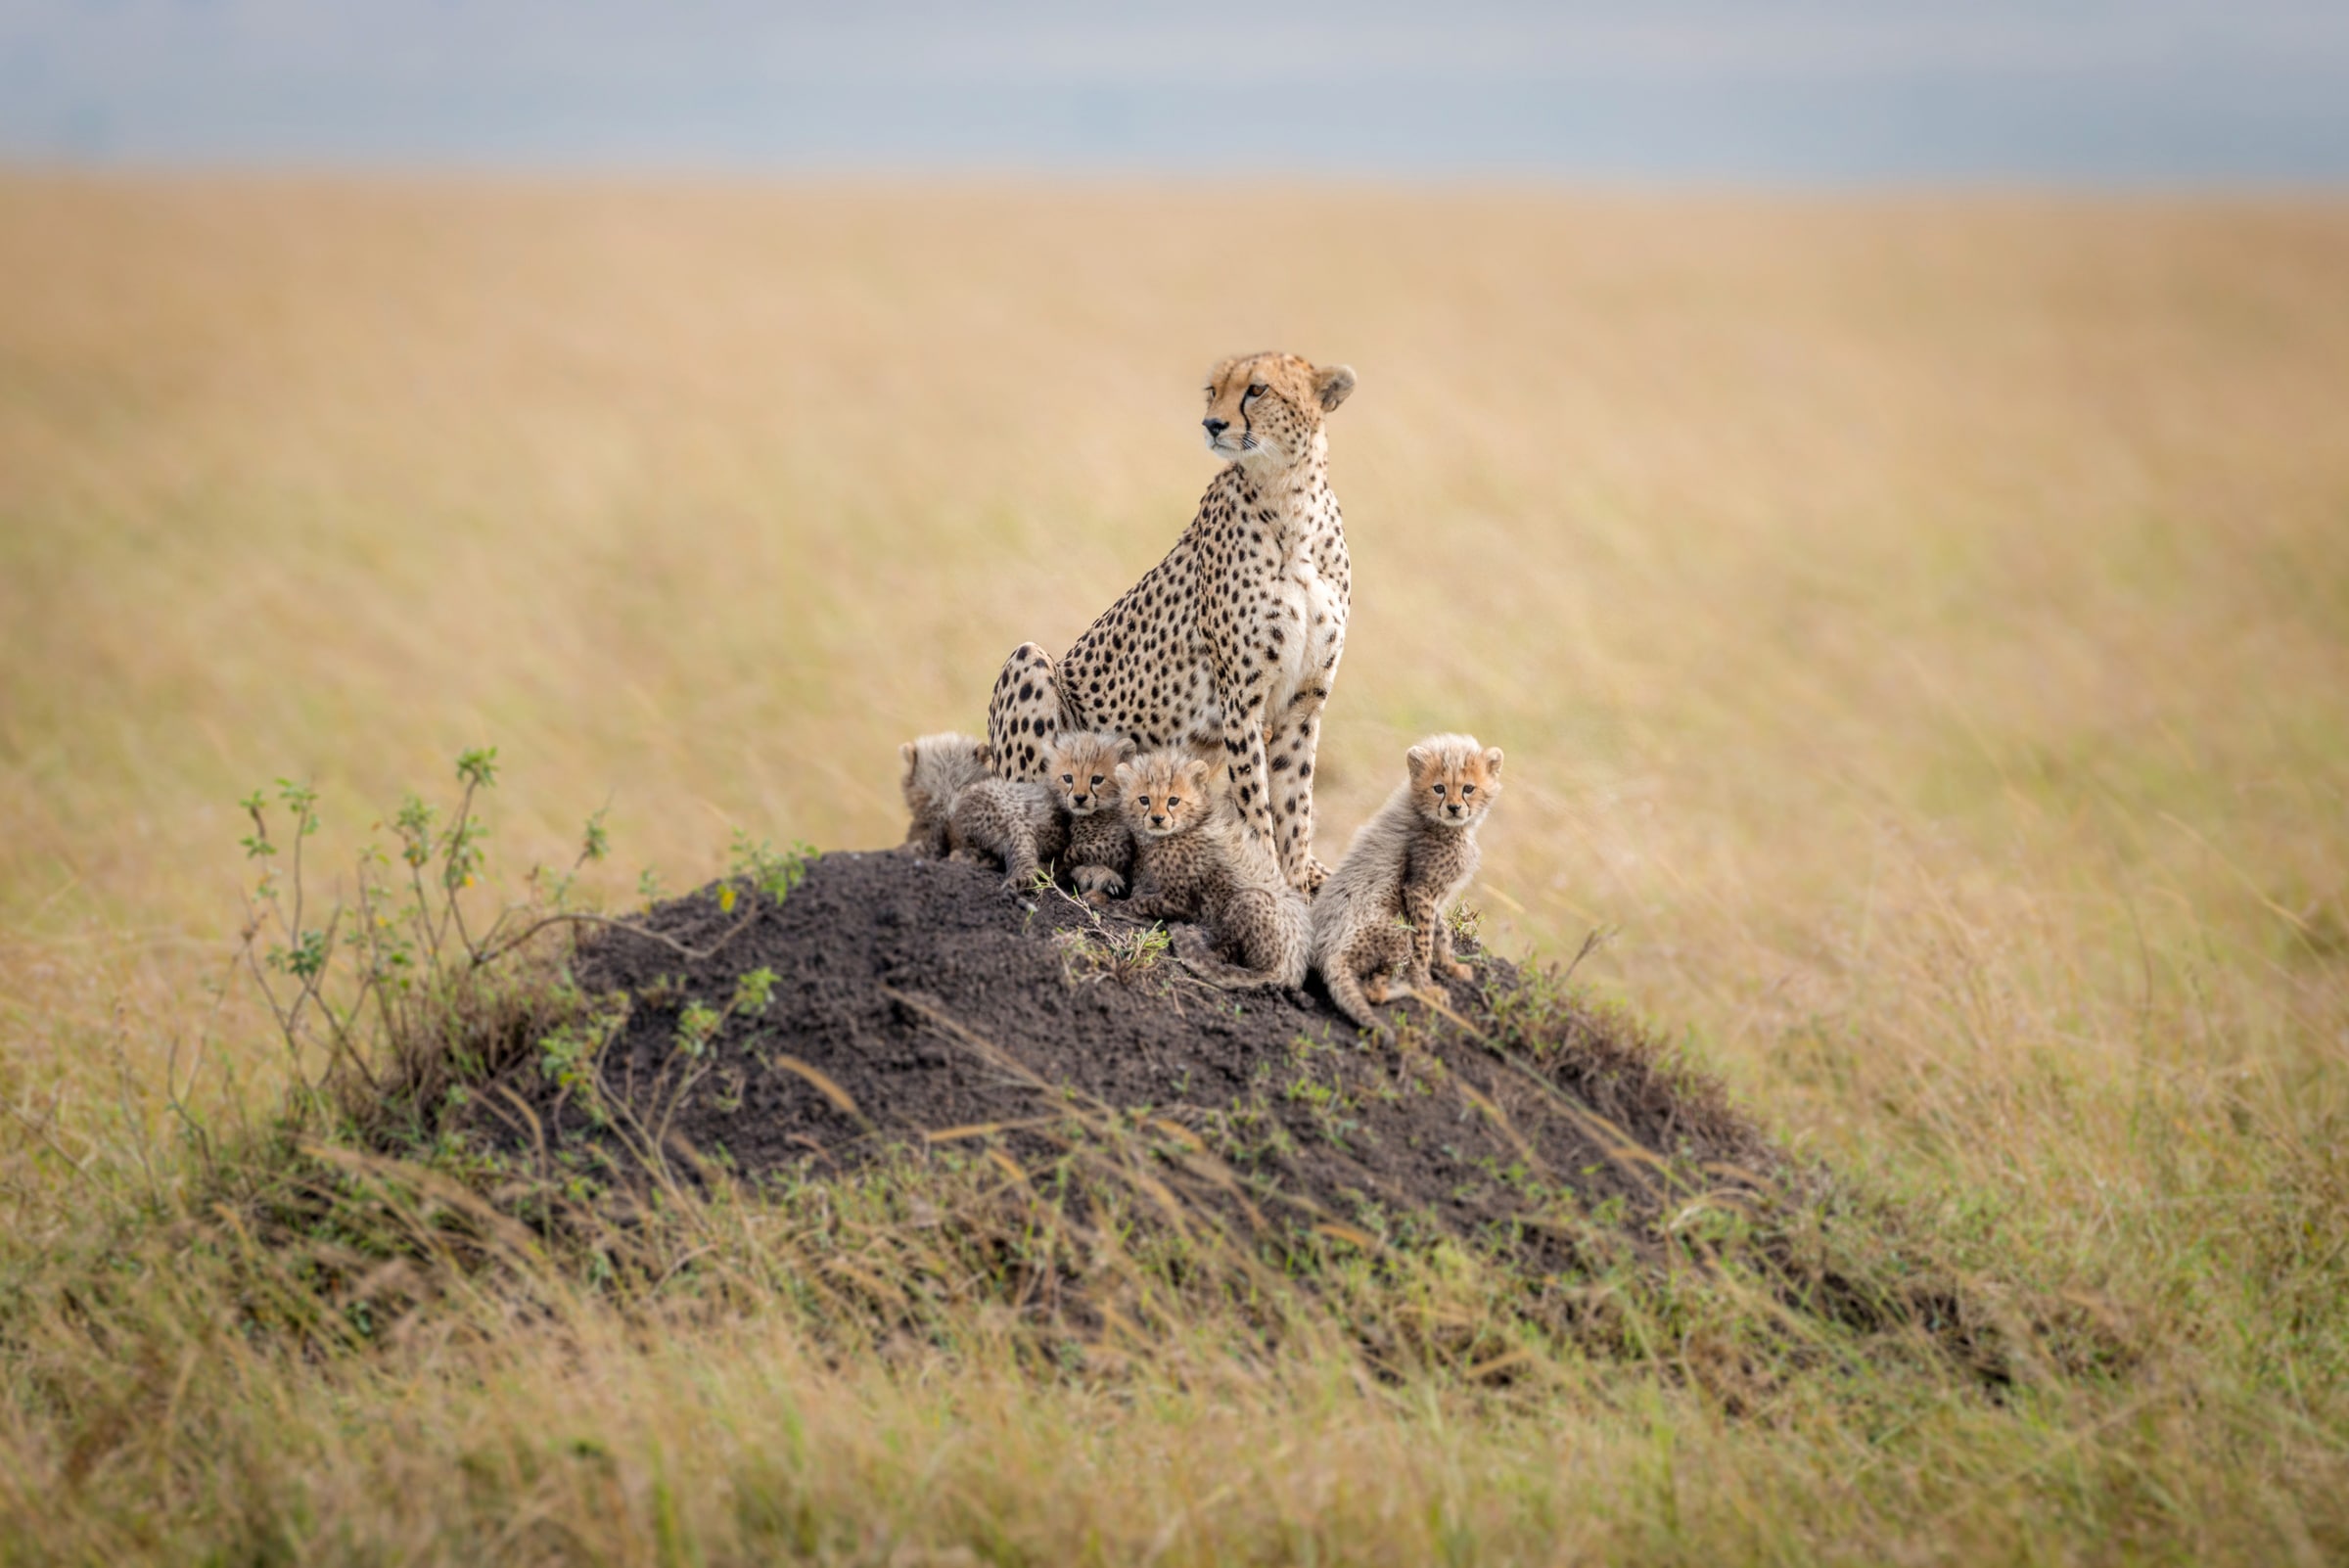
1917 628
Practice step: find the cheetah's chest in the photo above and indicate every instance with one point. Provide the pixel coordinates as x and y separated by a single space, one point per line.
1308 611
1443 861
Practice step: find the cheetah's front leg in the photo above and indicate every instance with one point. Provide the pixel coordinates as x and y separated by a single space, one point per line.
1420 908
1444 961
1289 765
1243 700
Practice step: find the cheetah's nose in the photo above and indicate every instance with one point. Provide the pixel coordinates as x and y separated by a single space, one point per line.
1216 426
1158 821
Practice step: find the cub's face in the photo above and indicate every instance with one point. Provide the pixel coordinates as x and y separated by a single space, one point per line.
1454 780
1083 770
937 768
1264 409
1164 793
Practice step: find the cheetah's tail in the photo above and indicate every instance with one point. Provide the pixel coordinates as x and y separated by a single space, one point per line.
1346 990
1198 956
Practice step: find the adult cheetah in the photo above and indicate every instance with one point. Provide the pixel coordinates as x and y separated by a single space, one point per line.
1227 646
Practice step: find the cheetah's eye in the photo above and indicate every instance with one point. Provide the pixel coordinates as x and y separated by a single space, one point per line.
1256 389
1071 778
1173 800
1096 778
1439 789
1141 799
1468 789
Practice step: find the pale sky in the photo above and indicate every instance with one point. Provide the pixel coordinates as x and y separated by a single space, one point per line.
2098 92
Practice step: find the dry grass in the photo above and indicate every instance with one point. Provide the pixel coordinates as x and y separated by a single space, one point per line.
1918 626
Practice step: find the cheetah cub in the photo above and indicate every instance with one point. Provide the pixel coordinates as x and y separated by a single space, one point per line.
937 767
1083 772
1027 825
1020 825
1193 860
1407 864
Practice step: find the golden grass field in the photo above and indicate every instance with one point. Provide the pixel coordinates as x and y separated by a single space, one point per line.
1919 630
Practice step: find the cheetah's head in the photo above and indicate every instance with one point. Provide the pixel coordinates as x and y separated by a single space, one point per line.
1266 410
937 768
1454 779
1083 769
1164 793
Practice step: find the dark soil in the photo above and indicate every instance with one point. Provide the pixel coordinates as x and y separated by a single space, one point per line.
913 999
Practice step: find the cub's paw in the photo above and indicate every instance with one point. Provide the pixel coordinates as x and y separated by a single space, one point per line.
1099 884
1193 946
1455 970
1315 873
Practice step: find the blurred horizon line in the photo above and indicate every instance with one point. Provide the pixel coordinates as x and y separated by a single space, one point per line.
977 179
1787 93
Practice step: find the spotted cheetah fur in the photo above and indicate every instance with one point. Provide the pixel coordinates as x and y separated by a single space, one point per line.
1382 913
1229 646
1193 862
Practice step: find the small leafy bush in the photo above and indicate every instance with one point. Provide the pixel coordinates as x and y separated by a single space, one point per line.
391 1003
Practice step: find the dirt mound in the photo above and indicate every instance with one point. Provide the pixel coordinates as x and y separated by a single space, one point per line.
890 1002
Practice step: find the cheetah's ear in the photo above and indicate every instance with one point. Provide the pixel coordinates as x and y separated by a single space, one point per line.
983 755
1418 758
1332 383
1493 760
1126 774
905 753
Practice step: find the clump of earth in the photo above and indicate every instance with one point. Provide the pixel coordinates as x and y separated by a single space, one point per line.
890 1002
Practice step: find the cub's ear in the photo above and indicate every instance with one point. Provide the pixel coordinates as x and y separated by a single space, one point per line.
1196 768
1493 760
982 753
1418 758
1127 775
906 754
1126 747
1331 385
